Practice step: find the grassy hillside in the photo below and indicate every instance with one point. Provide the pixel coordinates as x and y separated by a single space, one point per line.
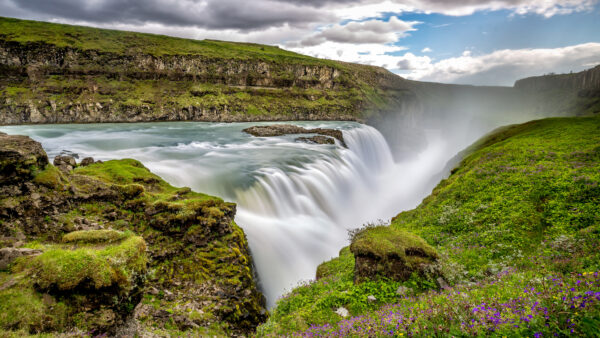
124 43
517 229
62 73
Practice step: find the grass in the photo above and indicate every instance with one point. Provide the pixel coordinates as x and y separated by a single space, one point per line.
121 42
516 227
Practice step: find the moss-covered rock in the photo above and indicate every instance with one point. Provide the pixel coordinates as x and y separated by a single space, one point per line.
390 253
108 235
88 266
82 286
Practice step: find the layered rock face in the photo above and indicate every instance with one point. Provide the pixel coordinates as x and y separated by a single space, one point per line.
42 58
111 248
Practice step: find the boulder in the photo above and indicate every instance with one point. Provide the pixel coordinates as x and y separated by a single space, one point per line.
20 157
342 312
390 253
65 163
9 255
87 161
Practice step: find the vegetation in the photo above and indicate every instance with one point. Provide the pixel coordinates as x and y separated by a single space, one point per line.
516 226
121 42
50 291
93 243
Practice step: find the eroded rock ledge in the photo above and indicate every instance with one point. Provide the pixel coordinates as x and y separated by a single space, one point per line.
110 248
288 129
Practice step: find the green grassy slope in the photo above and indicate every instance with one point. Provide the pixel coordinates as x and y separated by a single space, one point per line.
55 72
122 42
517 226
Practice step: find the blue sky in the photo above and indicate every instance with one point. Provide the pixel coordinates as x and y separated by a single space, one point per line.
486 31
481 42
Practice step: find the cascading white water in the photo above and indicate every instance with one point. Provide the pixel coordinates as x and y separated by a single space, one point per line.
298 218
296 201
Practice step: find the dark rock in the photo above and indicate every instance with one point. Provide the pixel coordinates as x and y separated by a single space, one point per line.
20 156
65 160
8 255
287 129
390 253
69 153
87 161
319 139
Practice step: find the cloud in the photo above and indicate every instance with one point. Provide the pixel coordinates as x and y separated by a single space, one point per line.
364 32
426 50
546 8
221 14
501 67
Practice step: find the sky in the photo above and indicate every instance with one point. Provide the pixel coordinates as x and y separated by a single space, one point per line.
479 42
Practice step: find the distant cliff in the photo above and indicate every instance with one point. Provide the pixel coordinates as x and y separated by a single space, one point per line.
588 79
54 73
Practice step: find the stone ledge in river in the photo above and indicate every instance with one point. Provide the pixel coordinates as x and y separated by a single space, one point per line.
286 129
319 139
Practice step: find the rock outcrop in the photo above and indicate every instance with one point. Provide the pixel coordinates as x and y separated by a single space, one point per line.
585 80
288 129
384 252
19 157
108 247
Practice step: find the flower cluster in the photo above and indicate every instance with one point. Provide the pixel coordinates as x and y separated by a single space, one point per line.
513 303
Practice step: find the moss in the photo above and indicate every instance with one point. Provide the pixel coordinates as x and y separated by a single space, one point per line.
23 308
336 267
50 177
94 236
384 241
112 265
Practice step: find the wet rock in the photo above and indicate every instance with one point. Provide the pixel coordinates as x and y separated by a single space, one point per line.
319 139
342 312
287 129
8 255
20 156
87 161
69 153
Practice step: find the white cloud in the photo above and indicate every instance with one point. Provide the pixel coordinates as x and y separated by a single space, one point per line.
426 50
363 32
545 8
501 67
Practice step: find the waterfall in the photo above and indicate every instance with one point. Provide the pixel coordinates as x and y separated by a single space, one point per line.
296 201
297 218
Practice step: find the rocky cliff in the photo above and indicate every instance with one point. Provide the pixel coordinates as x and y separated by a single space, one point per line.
110 248
58 73
588 79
